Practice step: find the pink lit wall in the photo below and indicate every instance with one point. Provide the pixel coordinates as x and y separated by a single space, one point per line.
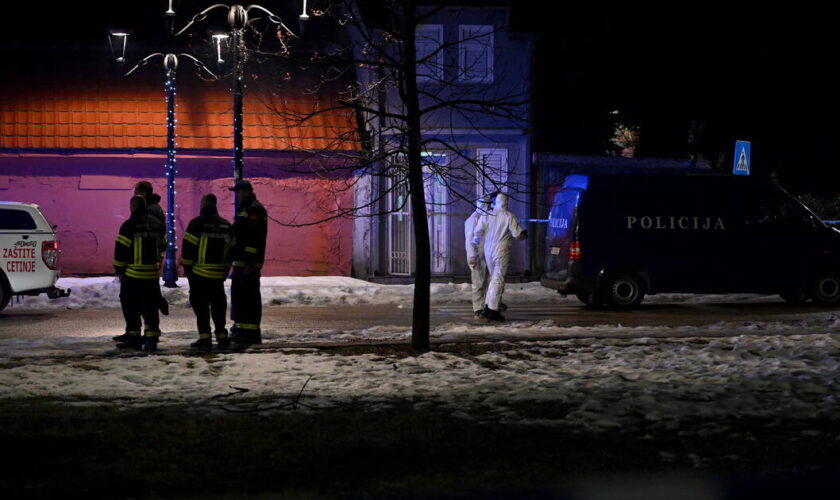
87 195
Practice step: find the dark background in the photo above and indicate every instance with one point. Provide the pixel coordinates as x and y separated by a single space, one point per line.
764 75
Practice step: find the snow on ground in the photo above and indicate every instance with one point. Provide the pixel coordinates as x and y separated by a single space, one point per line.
585 378
101 293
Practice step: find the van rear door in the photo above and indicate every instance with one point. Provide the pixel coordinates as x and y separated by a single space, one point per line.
562 227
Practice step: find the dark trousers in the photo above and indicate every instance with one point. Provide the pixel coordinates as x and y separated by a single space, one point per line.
207 298
140 298
245 301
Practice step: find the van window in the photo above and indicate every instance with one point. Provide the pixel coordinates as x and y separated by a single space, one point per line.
16 220
784 213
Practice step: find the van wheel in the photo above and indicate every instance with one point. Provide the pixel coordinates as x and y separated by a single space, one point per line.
825 290
622 291
5 294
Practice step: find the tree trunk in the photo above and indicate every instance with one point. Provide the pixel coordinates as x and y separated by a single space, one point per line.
423 265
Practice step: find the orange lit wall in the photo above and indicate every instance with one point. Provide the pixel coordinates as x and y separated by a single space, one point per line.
77 150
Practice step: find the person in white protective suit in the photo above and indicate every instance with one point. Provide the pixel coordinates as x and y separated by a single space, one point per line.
497 231
475 256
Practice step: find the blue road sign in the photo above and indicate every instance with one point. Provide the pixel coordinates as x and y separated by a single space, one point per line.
741 164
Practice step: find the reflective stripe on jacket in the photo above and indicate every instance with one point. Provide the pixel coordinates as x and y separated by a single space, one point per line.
140 246
206 247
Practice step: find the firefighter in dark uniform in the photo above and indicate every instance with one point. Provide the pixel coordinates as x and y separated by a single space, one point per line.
145 189
204 255
250 228
138 253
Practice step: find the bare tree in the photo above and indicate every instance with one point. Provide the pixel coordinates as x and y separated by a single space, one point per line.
406 93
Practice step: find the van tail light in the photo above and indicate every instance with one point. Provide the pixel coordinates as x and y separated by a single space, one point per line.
49 253
574 250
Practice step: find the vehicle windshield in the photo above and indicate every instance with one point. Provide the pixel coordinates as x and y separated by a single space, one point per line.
781 209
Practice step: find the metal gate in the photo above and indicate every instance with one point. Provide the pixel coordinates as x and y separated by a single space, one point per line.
400 240
400 232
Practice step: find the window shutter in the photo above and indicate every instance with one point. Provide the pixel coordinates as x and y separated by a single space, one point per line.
495 165
428 39
475 53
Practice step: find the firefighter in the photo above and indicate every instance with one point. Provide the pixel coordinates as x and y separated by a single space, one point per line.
204 255
250 227
138 253
145 189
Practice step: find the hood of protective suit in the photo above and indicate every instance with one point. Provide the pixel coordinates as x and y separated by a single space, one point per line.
482 205
501 203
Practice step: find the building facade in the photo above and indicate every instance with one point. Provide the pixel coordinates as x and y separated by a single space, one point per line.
76 140
469 59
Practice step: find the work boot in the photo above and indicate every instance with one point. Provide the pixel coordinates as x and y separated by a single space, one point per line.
247 337
222 339
478 314
493 315
130 342
150 344
125 337
205 343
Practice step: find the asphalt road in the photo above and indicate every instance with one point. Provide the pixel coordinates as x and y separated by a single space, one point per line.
287 319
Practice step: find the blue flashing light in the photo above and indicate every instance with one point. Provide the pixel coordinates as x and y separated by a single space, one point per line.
576 181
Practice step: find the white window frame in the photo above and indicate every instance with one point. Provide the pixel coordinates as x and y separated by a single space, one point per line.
477 37
484 187
429 33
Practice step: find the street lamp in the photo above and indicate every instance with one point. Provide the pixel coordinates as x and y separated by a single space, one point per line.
237 18
170 67
218 40
118 40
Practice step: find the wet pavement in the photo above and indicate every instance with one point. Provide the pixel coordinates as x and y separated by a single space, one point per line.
23 323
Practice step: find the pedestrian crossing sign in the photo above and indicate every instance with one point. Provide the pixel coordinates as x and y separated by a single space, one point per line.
741 165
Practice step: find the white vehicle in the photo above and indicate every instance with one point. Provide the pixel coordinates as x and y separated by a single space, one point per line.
28 253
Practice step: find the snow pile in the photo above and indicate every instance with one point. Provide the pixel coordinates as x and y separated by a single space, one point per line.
607 377
103 293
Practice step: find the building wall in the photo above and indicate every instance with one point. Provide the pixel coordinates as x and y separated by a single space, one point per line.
519 200
87 196
467 129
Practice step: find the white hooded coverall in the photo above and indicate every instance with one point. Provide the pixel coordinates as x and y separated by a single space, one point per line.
496 231
475 252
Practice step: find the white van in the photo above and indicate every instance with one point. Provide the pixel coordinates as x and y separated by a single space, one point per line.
28 253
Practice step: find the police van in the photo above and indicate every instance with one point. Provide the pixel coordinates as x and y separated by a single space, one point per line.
28 253
614 238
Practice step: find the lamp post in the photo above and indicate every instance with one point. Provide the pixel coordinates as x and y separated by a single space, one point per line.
119 41
238 20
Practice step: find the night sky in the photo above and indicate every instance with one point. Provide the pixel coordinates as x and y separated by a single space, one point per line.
766 76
